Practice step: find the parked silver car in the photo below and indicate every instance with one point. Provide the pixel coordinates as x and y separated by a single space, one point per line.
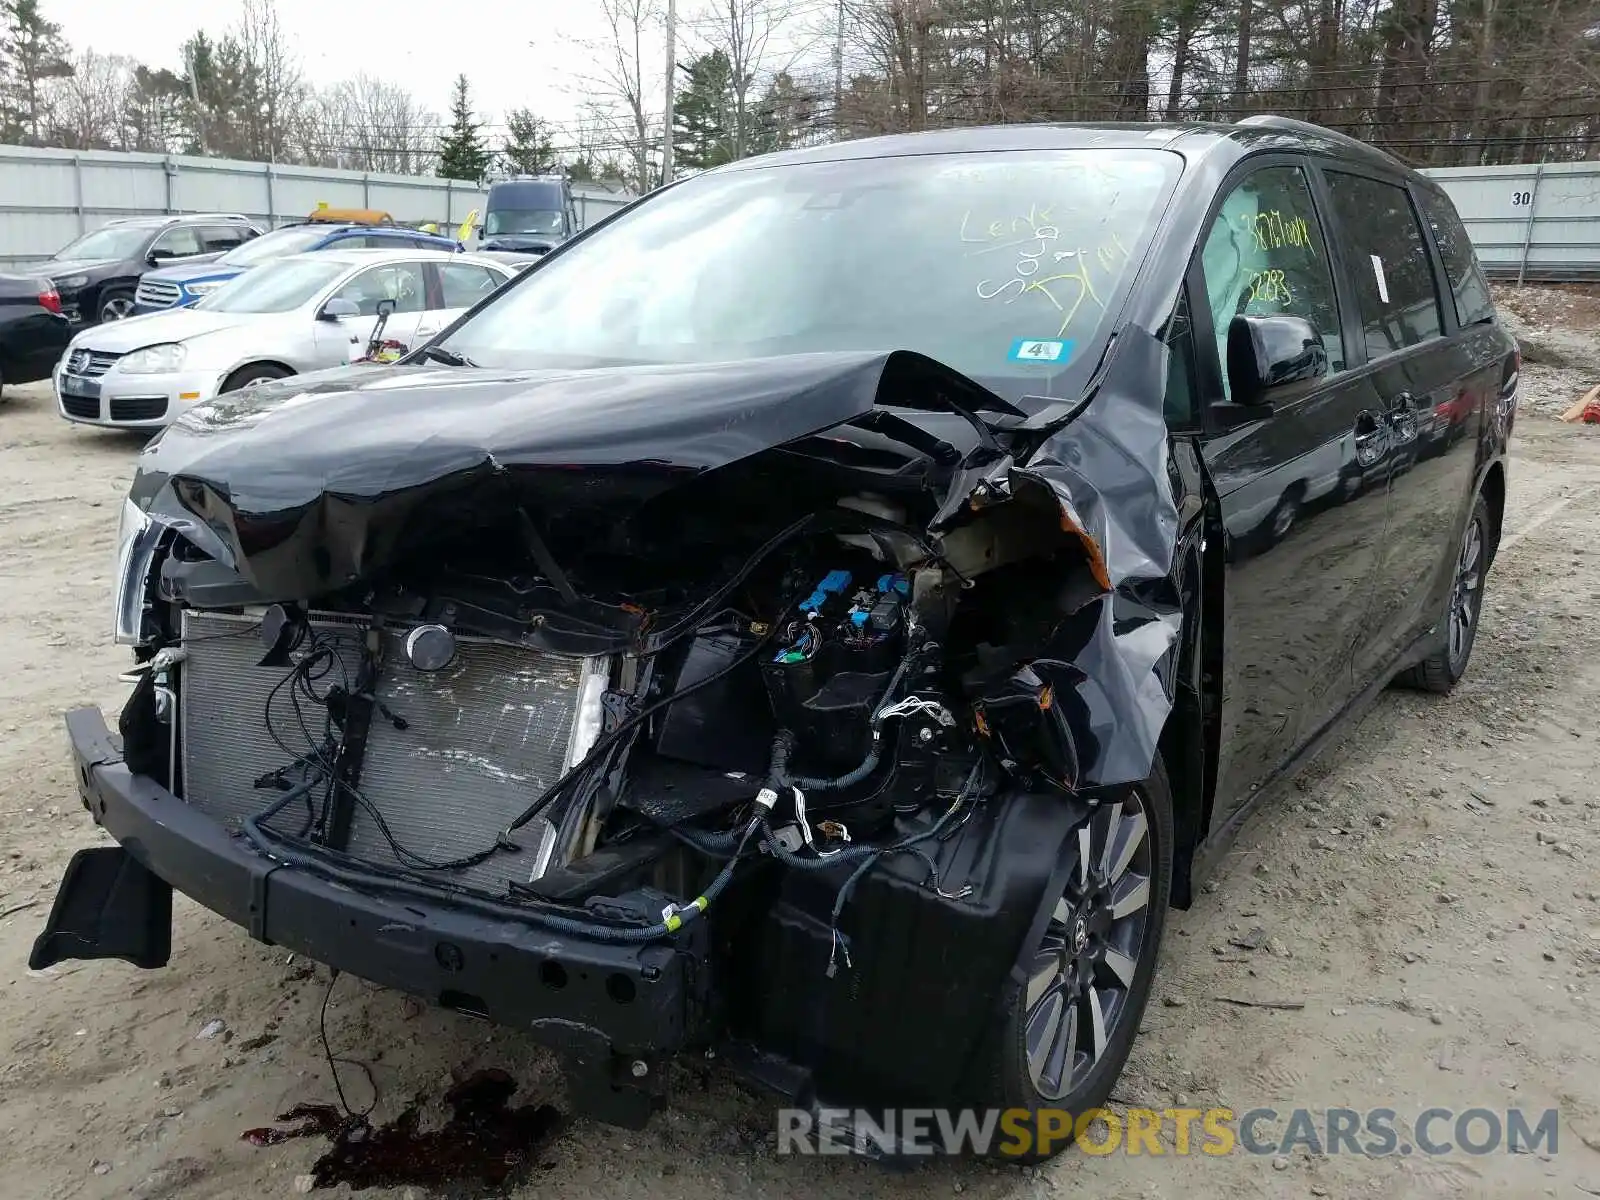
302 313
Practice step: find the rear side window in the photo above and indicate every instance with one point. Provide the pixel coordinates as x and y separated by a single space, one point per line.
1466 276
1388 262
464 284
221 238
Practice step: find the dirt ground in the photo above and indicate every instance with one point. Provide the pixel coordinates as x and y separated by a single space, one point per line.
1430 894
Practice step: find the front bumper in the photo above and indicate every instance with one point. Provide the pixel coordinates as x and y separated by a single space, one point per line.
605 1007
131 401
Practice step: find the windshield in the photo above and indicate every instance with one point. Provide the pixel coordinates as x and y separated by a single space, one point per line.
277 287
1006 267
114 241
523 220
273 245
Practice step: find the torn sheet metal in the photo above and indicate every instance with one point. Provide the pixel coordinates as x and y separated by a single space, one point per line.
306 485
1112 663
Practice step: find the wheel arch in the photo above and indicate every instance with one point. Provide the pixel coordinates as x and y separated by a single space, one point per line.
1493 491
275 363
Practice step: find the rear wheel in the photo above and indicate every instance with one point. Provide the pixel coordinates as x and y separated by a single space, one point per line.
256 373
1441 670
1072 1020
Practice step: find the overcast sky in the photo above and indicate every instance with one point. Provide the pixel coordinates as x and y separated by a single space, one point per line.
523 54
539 54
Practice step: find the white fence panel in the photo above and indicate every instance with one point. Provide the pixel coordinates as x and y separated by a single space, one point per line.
49 197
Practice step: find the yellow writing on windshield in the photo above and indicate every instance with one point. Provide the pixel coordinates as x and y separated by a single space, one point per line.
1040 263
1273 230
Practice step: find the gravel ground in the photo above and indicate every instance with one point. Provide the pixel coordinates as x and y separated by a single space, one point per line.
1431 896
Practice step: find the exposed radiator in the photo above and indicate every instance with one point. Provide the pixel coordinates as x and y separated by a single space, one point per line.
484 737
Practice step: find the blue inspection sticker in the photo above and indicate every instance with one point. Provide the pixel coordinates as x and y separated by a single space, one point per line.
1041 350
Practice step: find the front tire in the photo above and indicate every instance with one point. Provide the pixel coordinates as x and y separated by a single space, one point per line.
259 373
1076 1001
114 306
1443 669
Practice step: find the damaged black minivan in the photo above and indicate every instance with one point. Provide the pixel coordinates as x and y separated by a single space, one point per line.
823 615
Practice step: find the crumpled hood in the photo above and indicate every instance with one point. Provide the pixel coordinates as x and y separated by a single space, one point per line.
344 457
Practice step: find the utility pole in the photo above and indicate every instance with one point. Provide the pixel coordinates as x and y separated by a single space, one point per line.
672 73
838 70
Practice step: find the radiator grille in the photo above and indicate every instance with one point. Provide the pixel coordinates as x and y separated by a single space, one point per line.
154 293
483 738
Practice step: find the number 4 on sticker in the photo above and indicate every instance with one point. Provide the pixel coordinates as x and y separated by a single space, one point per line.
1040 350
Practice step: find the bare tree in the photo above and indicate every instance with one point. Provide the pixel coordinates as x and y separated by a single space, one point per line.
743 30
628 85
369 124
85 110
273 85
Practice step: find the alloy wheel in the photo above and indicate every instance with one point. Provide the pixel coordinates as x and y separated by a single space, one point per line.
1082 976
1283 517
116 308
1464 599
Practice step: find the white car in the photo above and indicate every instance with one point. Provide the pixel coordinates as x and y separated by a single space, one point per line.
301 313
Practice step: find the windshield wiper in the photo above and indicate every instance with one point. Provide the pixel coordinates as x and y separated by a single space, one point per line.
448 357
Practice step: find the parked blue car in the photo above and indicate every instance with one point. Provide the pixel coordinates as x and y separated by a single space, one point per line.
182 286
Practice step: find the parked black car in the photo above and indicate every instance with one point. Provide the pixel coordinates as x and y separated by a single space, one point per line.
802 618
98 273
33 333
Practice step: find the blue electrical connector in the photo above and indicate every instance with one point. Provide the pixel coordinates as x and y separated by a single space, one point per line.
833 584
895 583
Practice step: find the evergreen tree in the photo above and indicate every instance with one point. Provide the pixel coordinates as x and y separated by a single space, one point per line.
701 133
530 148
32 51
462 154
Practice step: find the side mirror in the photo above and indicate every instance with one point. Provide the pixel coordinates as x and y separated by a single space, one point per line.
478 230
385 307
338 308
1269 352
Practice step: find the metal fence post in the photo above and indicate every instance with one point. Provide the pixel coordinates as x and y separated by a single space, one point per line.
77 192
366 189
449 201
1527 233
272 204
169 172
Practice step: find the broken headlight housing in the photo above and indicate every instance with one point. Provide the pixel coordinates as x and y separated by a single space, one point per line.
137 536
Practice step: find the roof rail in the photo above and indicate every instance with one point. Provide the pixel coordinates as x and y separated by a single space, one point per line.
1292 125
206 216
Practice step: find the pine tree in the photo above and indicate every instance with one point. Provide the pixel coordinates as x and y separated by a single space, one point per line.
462 154
31 51
530 148
701 134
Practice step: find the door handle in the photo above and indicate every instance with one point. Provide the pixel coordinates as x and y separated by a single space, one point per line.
1403 417
1371 440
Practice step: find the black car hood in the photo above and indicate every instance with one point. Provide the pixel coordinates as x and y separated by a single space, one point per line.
339 460
84 266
